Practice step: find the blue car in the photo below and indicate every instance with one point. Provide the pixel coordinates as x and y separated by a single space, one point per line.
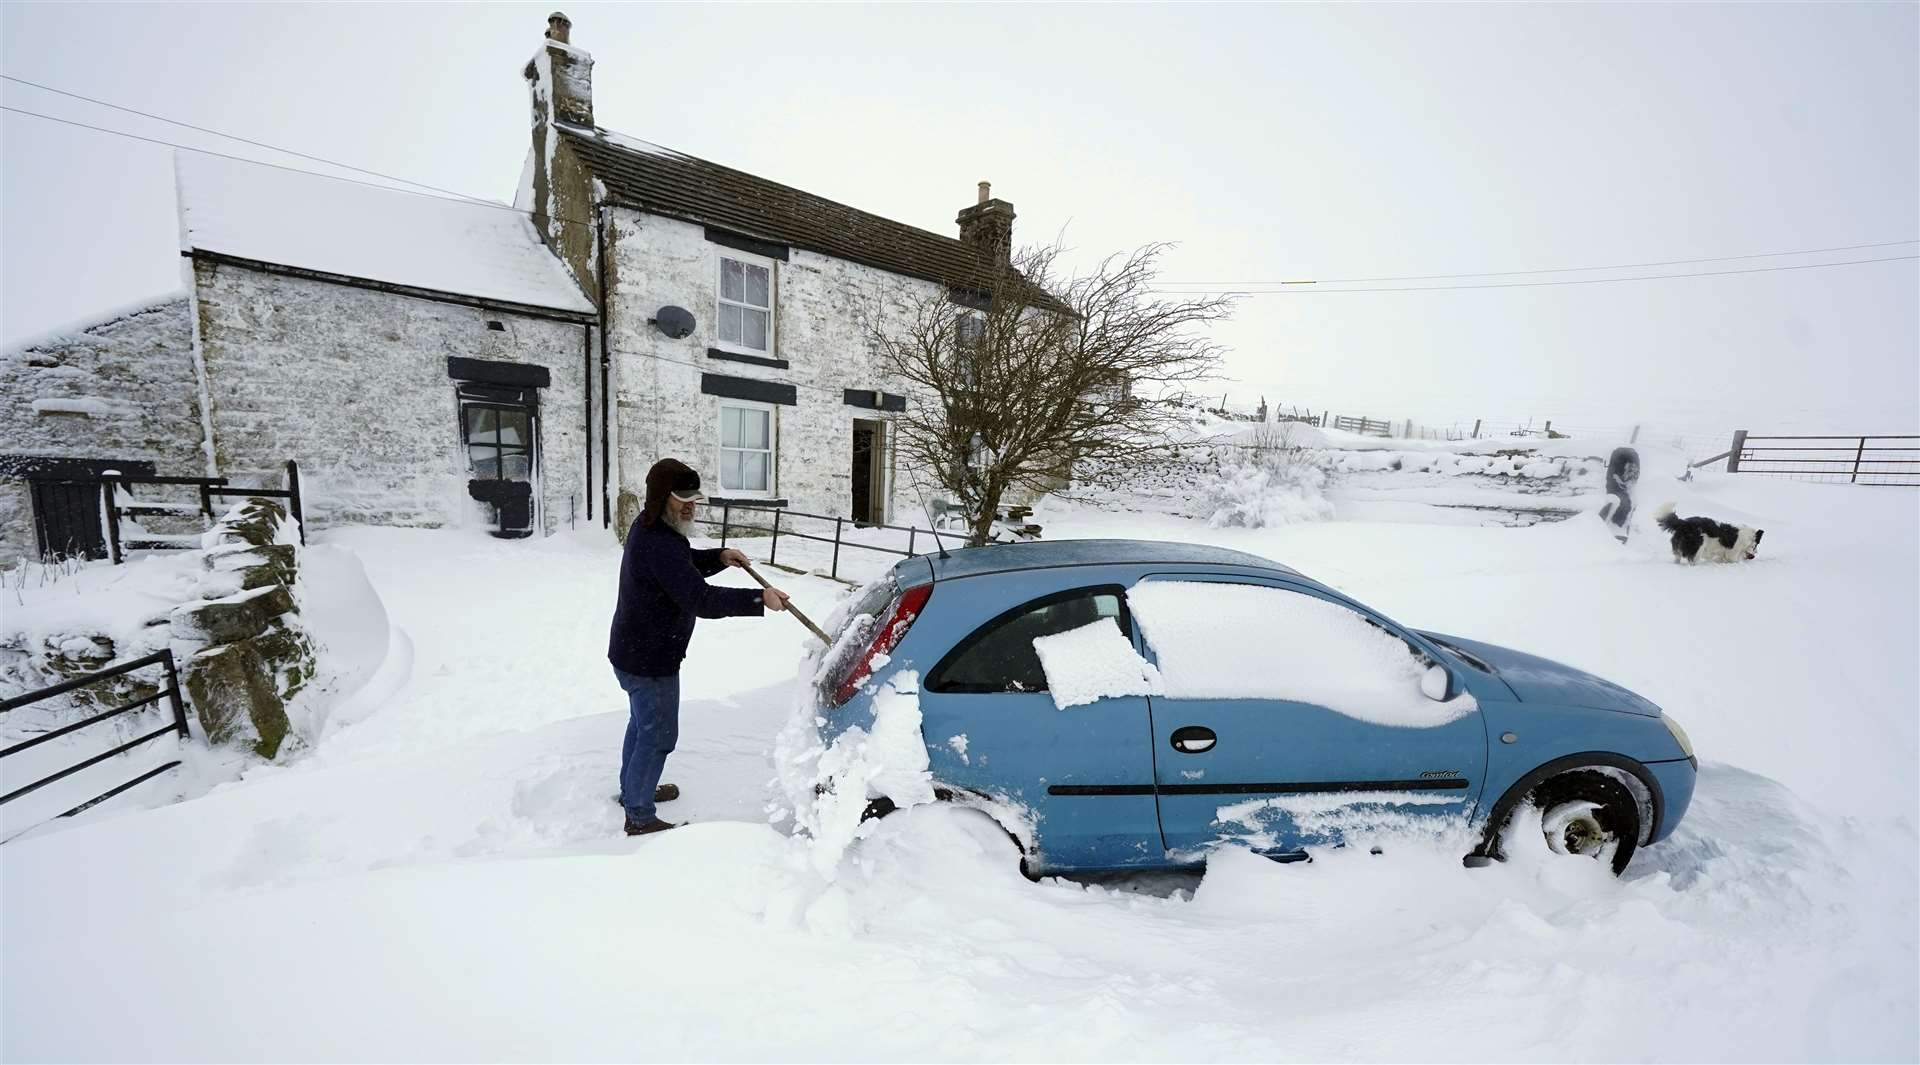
1128 705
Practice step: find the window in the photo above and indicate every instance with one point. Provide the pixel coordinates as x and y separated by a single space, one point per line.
970 331
999 656
746 448
746 303
497 424
1220 640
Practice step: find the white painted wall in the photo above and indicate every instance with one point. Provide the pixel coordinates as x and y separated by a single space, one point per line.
353 385
662 412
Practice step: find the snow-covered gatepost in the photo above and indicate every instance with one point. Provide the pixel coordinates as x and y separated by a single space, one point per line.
255 656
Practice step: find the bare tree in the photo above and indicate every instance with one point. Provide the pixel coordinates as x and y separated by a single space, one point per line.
1021 372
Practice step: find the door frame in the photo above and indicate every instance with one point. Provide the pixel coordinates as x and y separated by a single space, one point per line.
876 472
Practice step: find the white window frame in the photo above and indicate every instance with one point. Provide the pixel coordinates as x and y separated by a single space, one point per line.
772 449
721 254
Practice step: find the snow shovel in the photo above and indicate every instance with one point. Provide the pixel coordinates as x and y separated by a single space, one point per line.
791 609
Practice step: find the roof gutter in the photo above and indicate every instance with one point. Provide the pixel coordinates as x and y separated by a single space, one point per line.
529 310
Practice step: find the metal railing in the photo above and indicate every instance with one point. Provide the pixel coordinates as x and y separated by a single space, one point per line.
178 726
118 543
1858 459
730 525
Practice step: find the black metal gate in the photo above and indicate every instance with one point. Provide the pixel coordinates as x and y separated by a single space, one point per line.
66 518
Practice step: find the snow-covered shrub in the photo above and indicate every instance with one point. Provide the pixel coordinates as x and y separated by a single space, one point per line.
1268 482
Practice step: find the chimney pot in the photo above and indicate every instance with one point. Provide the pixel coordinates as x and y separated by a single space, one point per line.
561 77
986 191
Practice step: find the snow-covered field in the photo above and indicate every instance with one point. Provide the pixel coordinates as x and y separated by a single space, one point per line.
441 874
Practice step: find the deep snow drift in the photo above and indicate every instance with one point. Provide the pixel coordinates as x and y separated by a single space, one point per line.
442 875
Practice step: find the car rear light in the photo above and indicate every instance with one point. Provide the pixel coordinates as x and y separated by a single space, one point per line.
886 636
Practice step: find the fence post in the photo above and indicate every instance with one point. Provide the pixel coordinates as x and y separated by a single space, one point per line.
1733 453
113 519
834 570
1858 454
910 535
1476 428
774 551
1636 435
173 695
206 500
726 512
293 499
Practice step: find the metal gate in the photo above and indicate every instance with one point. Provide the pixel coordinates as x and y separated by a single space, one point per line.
66 518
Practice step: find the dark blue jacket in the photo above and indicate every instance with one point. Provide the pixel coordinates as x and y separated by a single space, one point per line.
663 588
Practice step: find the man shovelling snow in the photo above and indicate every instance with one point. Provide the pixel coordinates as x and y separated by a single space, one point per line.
663 588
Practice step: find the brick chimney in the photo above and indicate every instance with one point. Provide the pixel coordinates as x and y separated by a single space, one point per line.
561 78
988 225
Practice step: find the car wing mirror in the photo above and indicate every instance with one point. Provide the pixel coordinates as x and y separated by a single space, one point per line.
1436 683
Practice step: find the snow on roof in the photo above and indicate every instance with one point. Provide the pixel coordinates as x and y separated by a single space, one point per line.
290 218
83 327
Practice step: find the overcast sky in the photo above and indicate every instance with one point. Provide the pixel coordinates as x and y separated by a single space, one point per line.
1269 142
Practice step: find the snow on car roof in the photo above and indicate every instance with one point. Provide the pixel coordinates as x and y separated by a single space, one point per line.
1040 554
309 221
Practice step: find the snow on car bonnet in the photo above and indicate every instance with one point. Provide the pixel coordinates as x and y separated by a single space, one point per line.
1241 641
1094 661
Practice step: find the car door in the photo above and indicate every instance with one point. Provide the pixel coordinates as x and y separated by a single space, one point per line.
1291 717
1082 776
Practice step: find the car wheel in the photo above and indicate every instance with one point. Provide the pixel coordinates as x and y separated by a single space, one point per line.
1587 814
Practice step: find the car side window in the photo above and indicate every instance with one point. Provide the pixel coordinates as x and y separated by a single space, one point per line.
999 655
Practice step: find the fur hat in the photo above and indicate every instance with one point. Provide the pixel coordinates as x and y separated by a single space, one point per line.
668 477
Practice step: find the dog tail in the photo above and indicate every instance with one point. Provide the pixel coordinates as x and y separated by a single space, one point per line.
1663 517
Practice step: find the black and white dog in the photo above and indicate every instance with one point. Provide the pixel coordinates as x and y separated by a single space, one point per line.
1706 540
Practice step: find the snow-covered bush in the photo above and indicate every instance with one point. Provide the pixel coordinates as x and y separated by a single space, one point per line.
1269 481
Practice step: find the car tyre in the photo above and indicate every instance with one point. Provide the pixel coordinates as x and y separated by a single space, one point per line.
1584 813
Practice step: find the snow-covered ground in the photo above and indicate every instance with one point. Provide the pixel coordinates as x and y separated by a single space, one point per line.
441 874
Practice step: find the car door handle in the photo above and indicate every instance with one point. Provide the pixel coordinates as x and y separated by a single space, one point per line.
1194 739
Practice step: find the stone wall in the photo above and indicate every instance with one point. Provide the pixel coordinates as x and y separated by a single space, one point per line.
819 302
121 390
353 384
255 656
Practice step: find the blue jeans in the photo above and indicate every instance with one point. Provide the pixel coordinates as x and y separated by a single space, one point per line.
653 727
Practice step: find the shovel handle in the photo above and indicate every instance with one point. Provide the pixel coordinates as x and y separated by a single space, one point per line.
791 609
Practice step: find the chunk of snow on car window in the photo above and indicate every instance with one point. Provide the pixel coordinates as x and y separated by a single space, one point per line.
1242 641
959 745
1095 661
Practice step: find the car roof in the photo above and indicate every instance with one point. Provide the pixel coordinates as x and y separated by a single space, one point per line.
1043 554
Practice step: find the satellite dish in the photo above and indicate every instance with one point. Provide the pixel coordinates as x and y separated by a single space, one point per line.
675 322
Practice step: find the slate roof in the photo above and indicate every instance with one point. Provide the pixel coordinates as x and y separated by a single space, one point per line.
663 181
289 218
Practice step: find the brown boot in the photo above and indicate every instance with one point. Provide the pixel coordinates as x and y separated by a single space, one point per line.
663 793
635 828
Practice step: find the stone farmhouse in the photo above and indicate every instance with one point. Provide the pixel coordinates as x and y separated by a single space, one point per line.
435 361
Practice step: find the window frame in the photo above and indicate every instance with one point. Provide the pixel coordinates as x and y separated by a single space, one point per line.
720 256
772 450
1416 645
937 682
502 400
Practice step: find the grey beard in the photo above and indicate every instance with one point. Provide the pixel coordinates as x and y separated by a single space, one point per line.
683 526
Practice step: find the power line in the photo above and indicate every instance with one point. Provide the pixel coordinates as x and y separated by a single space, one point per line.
457 198
1556 270
237 137
1527 284
1294 287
